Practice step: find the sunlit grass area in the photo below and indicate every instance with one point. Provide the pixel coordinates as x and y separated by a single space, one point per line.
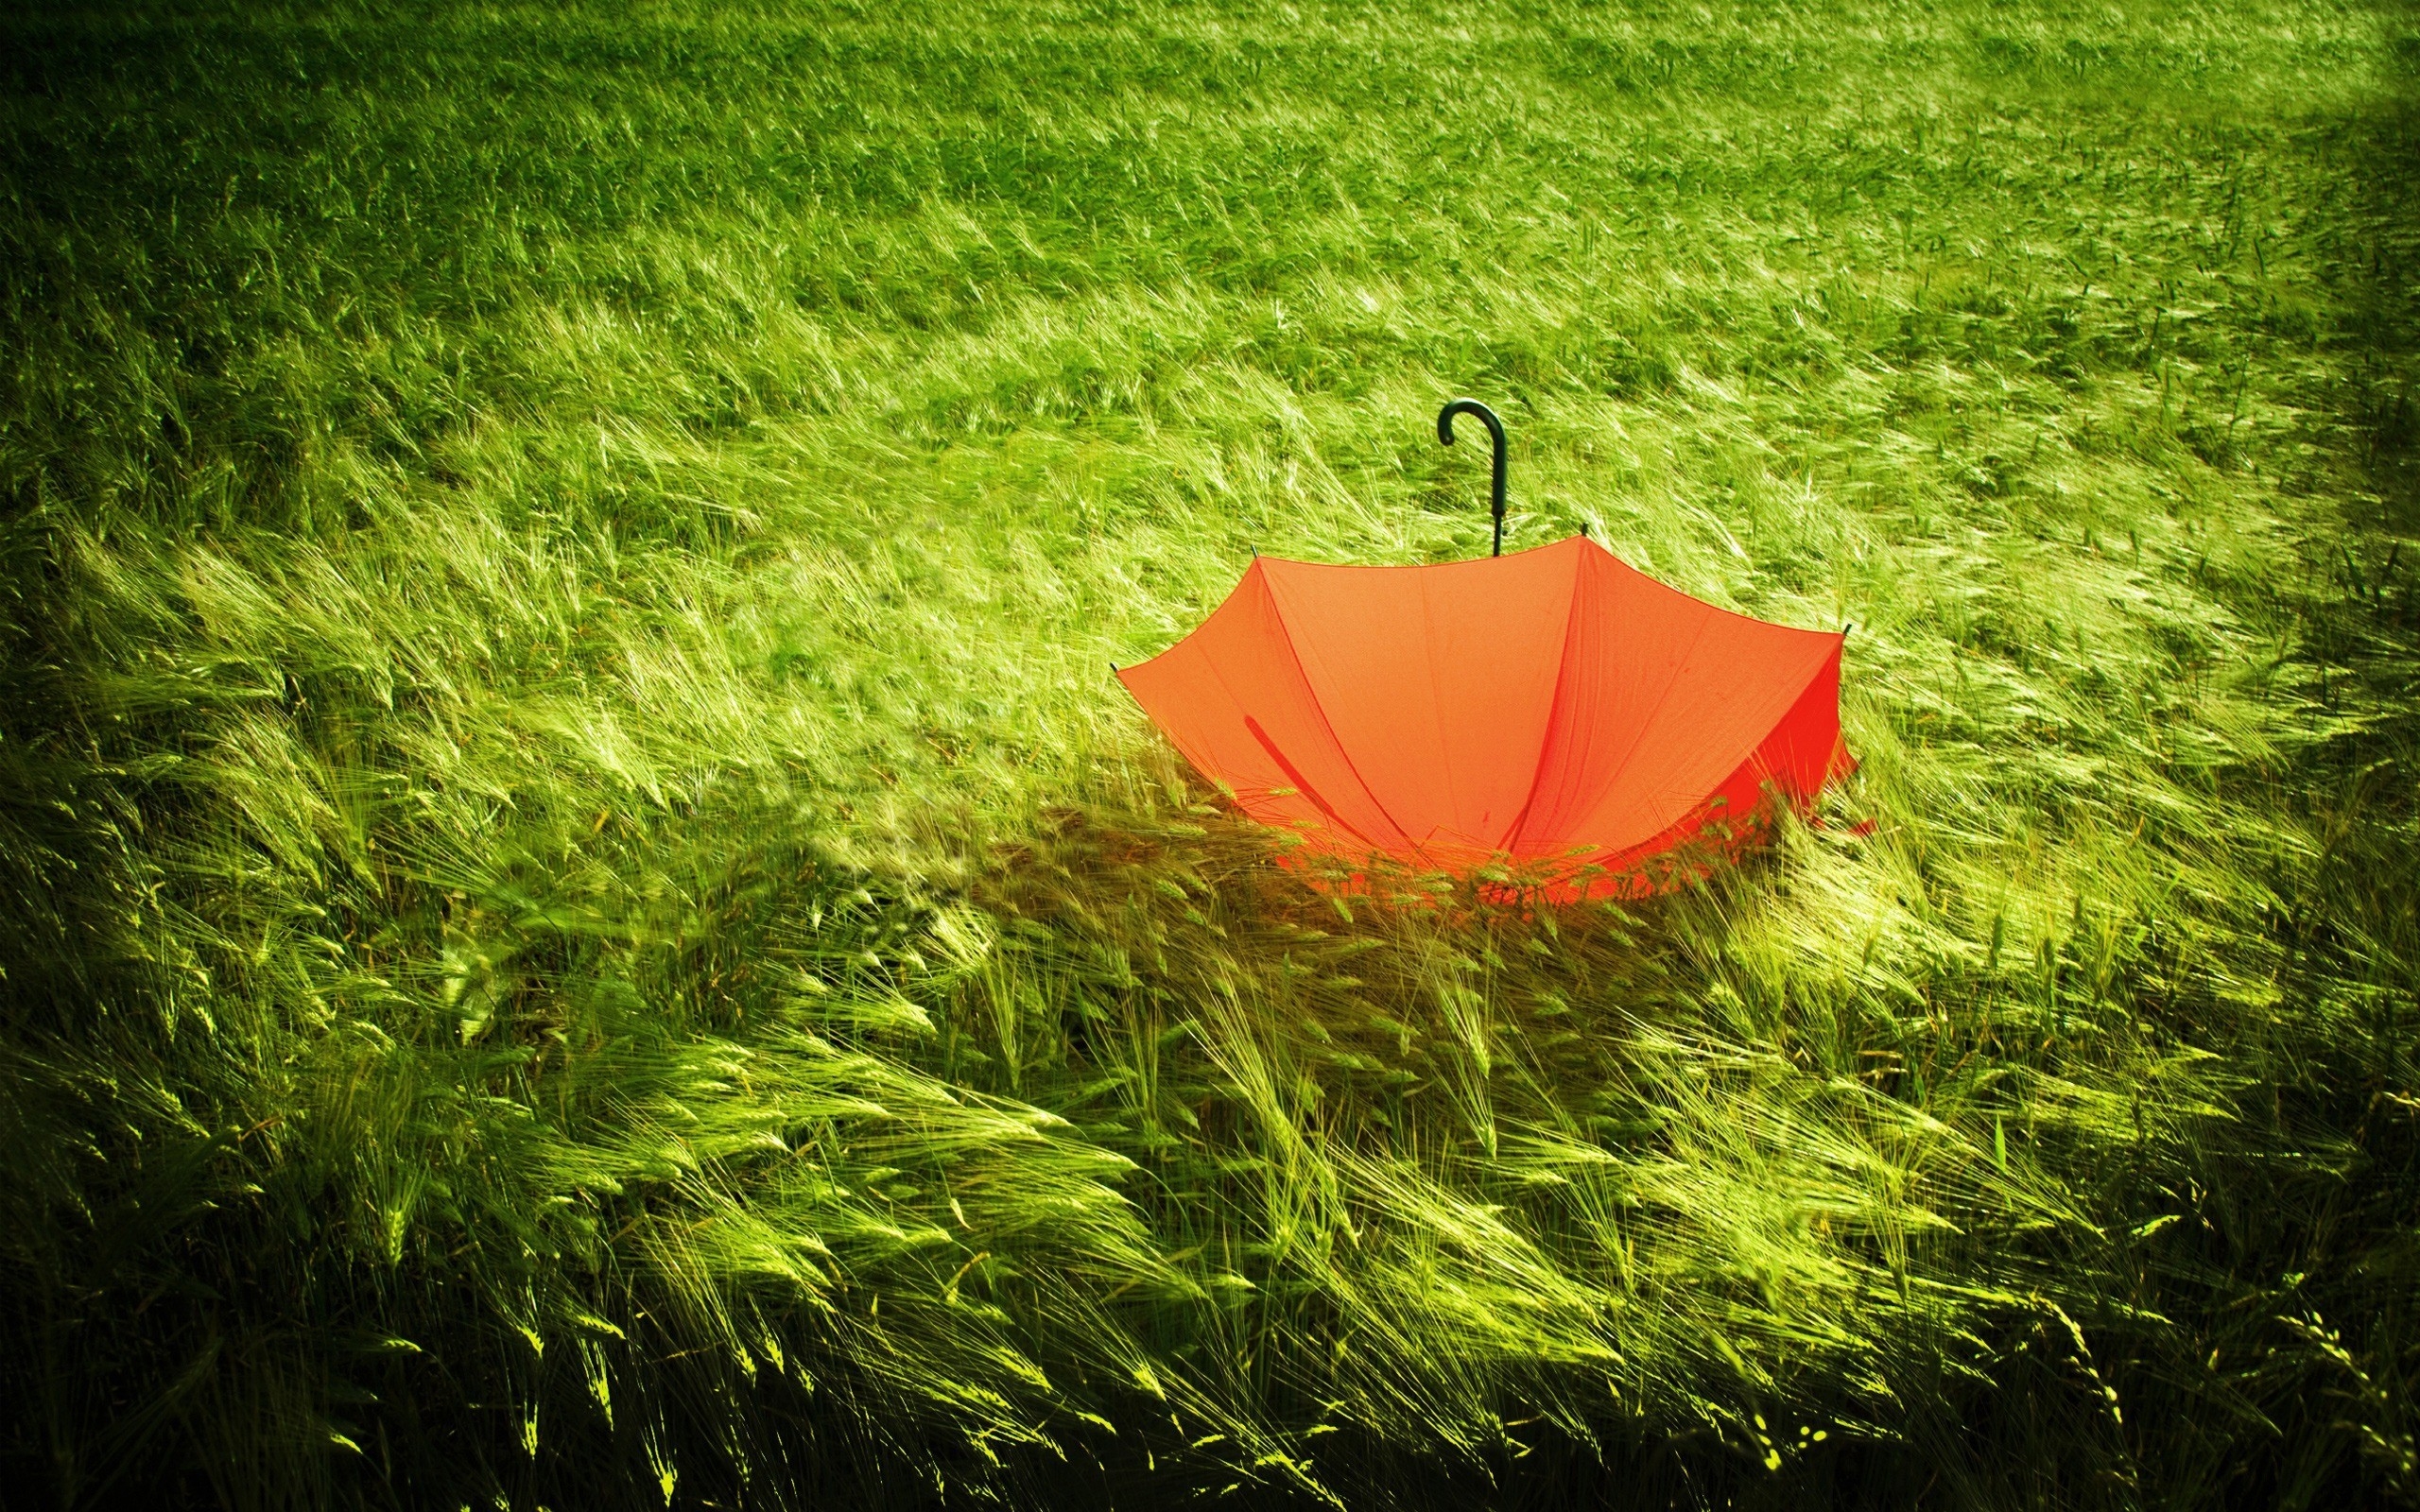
583 922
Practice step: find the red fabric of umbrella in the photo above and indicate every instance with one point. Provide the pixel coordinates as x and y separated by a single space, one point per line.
1554 707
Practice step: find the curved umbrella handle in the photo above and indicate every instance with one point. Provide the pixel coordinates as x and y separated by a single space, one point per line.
1495 434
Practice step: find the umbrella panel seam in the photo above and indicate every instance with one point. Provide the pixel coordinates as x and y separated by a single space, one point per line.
1277 611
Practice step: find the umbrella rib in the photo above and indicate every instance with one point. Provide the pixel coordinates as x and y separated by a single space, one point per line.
1301 783
1554 716
1293 774
1437 704
1648 720
1278 608
1663 839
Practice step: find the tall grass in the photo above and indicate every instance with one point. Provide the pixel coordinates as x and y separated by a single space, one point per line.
582 924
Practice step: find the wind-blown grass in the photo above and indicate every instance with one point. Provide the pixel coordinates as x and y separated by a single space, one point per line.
582 923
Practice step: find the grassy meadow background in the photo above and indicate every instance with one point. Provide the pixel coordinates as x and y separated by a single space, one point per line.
583 925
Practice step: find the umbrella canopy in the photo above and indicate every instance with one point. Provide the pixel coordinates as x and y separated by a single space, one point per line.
1554 707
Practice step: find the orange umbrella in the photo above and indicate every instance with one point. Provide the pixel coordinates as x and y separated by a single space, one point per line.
1554 708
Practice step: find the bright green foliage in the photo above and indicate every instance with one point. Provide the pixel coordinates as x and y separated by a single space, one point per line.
581 921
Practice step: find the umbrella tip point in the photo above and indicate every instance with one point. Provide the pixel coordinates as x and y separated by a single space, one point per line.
1847 627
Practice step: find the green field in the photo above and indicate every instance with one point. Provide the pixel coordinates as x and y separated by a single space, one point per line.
583 925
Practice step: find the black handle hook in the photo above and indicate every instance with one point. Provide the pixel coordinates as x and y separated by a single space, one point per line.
1495 434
